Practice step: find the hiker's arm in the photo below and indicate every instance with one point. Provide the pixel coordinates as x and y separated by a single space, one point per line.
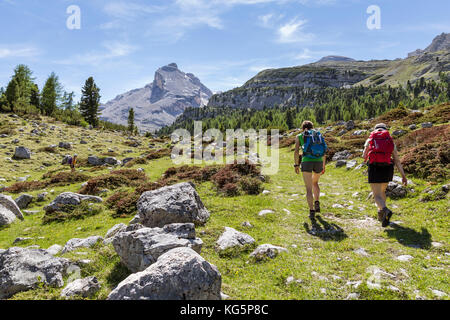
366 151
297 154
399 166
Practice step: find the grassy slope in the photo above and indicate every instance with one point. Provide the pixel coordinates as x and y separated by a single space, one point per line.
324 262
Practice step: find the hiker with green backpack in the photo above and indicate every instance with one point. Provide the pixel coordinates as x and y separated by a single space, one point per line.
381 155
312 165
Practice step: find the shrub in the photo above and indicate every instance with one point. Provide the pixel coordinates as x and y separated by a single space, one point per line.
114 180
48 150
136 161
157 154
426 152
63 178
250 185
230 189
224 176
26 186
70 212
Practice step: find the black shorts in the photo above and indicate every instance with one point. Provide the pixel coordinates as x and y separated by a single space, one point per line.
310 166
381 173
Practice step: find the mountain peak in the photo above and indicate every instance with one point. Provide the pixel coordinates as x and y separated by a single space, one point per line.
171 67
159 102
440 42
335 58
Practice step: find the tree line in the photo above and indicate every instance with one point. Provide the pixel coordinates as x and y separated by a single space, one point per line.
22 96
320 105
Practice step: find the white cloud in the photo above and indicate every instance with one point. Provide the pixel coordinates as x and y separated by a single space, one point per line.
292 32
14 51
114 49
129 10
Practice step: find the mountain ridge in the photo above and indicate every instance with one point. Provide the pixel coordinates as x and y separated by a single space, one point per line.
160 102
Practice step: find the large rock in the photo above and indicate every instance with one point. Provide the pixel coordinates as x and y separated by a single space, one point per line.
77 243
395 190
69 199
342 155
233 240
9 210
23 269
179 203
350 125
22 153
65 145
24 200
140 248
112 161
95 161
341 163
111 233
179 274
6 216
265 251
81 287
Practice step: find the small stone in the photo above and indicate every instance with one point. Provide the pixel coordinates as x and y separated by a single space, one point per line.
264 212
362 252
404 258
439 294
352 296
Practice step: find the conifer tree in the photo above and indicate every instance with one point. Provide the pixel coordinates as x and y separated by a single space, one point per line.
12 94
51 95
90 101
131 120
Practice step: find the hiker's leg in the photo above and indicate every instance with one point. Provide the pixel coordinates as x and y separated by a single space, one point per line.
307 178
383 191
378 196
315 186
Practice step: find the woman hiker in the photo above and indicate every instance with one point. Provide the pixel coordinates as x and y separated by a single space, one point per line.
381 154
72 161
312 163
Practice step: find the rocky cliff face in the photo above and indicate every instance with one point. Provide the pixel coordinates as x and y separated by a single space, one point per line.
158 103
440 43
286 86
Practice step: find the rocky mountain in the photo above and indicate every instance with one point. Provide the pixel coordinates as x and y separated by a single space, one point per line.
440 43
160 102
284 86
335 58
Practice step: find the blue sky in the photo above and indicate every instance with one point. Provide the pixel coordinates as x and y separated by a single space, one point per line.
224 42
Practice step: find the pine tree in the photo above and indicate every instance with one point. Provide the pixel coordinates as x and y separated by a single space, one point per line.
131 120
3 101
51 95
67 103
35 96
23 76
90 100
12 94
289 119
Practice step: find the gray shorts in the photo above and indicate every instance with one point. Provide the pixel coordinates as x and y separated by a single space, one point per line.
310 166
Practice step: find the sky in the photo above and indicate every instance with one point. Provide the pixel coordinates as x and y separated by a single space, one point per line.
121 43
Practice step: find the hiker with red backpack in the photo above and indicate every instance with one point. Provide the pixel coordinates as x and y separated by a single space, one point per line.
312 163
381 155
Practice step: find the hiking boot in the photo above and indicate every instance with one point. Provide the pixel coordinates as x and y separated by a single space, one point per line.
317 206
387 214
312 214
380 215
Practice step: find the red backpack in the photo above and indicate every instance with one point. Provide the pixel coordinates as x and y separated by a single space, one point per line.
381 147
